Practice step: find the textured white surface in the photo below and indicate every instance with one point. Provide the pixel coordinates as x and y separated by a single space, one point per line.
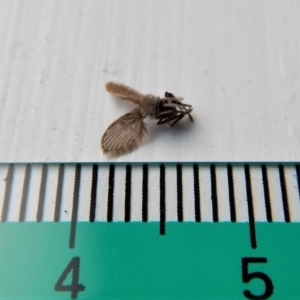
236 61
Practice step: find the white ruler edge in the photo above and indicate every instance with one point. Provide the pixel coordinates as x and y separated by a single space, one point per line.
34 187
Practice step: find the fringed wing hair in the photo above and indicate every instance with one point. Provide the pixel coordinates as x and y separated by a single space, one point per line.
125 134
123 91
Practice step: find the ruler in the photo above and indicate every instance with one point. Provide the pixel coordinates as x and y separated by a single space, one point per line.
150 231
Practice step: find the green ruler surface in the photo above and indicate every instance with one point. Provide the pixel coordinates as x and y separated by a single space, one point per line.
150 231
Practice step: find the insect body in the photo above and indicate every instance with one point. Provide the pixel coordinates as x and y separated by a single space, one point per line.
128 131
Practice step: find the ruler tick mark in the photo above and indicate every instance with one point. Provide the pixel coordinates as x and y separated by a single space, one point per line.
25 193
231 193
110 200
94 193
42 193
179 193
7 193
214 195
250 207
162 186
59 190
145 194
298 177
197 193
128 193
284 194
265 180
75 206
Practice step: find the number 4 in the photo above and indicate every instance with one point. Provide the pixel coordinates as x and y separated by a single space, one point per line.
247 277
74 287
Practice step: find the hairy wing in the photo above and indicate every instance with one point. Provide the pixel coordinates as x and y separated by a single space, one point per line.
125 134
124 92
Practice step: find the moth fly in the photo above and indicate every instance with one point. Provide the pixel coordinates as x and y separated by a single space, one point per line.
126 133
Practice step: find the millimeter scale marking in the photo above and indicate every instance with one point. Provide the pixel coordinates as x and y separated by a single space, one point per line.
94 193
161 194
75 206
195 193
144 168
59 192
250 207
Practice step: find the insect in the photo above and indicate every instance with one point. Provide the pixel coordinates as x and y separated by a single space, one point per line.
126 133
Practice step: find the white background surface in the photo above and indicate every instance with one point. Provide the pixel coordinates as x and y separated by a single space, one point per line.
236 61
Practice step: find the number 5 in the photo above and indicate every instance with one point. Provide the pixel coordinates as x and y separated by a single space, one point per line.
247 277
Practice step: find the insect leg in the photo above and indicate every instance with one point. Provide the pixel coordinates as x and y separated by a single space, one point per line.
176 120
191 118
166 112
169 119
188 113
179 105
